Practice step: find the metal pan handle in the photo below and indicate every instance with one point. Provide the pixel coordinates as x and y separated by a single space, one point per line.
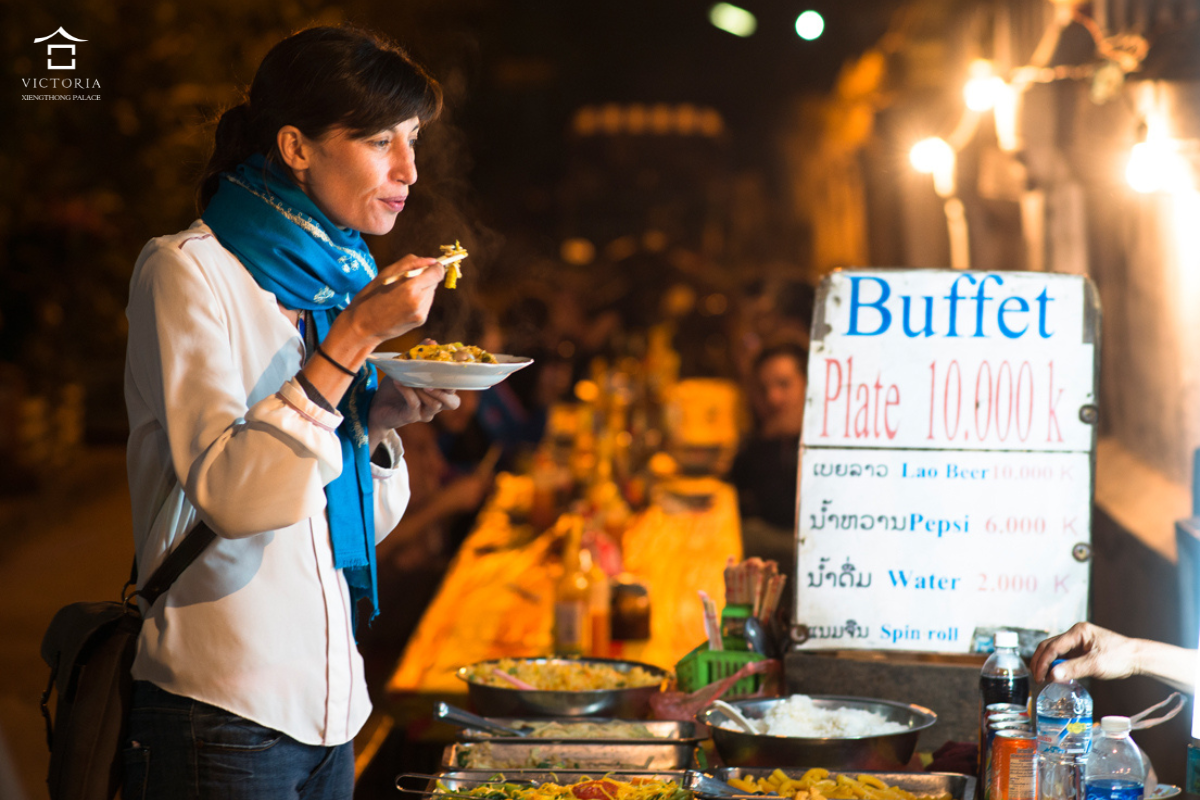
465 719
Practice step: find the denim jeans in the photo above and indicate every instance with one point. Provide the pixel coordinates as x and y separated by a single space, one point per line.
182 749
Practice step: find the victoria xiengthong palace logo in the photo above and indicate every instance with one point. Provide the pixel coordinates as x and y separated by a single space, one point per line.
61 81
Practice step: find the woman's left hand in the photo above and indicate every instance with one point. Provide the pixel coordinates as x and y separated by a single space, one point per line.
395 405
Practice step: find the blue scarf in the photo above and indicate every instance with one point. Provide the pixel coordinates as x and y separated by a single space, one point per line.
295 252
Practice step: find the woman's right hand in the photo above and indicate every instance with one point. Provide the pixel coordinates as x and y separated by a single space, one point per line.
384 311
380 311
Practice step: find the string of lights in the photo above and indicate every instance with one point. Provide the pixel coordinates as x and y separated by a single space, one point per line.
1158 163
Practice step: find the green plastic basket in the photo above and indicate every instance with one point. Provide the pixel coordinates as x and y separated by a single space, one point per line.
702 666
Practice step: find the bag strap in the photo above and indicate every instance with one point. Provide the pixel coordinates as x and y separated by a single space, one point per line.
177 561
1141 720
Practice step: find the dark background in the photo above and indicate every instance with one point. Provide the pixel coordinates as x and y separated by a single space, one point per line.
86 183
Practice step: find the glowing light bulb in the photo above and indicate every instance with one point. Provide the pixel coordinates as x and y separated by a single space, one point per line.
732 19
1156 165
983 89
931 155
810 25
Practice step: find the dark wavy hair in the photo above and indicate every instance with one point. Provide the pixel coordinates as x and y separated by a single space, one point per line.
315 80
793 350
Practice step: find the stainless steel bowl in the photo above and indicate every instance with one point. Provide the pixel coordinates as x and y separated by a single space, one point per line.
888 752
632 703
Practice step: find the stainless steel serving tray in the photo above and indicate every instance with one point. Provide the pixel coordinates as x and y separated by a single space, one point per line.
646 754
626 703
465 780
883 752
662 729
959 787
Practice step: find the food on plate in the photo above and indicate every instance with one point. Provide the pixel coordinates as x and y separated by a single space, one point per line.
607 729
586 789
561 676
819 784
798 716
454 269
456 351
484 756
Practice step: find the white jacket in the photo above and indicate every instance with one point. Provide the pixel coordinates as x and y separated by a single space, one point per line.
259 624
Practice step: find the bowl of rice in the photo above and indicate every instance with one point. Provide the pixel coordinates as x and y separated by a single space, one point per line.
827 731
563 687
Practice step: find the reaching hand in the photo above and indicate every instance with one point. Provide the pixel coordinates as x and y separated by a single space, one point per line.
1091 651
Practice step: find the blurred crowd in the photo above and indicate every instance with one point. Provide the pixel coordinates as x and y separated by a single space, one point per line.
754 336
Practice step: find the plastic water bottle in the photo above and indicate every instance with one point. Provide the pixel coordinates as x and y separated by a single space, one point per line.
1064 730
1115 769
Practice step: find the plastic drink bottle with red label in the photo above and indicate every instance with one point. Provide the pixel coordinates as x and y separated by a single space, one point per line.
1003 679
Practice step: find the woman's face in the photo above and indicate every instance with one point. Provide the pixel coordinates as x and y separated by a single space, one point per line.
360 183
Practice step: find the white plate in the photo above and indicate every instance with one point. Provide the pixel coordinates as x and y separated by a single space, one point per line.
421 374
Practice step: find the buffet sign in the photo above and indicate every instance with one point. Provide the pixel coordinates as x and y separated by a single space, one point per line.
946 458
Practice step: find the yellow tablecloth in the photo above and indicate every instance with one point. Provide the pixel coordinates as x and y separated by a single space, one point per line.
497 598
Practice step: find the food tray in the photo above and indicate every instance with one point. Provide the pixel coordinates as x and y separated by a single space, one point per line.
959 787
463 780
662 729
886 752
625 703
590 754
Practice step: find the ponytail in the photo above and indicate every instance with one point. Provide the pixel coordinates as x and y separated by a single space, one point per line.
234 144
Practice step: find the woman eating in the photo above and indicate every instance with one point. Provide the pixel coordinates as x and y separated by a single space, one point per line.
252 409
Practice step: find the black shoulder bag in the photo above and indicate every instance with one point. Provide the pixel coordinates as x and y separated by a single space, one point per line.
90 649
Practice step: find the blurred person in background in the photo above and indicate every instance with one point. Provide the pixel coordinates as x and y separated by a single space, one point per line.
252 409
765 470
413 559
495 416
770 311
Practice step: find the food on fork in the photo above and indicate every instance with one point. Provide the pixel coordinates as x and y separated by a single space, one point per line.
452 255
453 267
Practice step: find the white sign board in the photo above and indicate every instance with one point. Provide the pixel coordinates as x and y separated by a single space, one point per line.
945 470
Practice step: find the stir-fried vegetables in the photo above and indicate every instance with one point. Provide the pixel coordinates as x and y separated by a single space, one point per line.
454 270
602 789
455 351
818 784
570 676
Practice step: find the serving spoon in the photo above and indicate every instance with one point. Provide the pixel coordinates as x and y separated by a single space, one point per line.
513 679
465 719
732 713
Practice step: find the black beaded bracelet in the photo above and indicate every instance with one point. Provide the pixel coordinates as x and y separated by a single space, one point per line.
329 358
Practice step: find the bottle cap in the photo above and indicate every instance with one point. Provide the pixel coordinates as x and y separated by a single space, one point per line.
1115 724
1006 639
